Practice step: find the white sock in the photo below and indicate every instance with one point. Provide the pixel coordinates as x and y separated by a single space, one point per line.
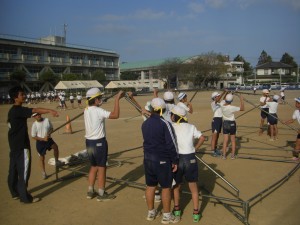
152 211
91 189
100 191
167 215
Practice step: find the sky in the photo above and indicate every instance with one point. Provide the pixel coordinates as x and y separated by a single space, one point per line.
159 29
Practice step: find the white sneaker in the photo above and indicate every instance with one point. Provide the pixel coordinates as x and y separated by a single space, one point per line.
152 215
170 219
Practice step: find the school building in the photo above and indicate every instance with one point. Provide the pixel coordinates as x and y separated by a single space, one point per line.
34 56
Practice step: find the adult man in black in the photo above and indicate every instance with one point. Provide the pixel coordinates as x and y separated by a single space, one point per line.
20 152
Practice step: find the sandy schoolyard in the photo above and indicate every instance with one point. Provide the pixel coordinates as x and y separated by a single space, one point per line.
64 202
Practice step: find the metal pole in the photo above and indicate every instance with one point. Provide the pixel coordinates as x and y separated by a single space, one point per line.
227 182
276 183
80 114
272 116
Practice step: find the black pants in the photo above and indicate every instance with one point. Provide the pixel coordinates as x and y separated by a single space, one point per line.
18 174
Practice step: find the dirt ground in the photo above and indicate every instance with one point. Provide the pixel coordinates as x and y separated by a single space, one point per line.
64 202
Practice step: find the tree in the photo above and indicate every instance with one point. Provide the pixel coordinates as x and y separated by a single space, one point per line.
264 58
207 68
287 59
99 75
127 75
69 76
48 76
18 75
170 69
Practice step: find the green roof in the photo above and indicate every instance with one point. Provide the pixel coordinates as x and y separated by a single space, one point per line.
149 63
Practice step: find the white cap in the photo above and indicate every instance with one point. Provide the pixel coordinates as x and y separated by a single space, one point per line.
214 94
229 97
34 114
297 99
181 95
265 91
148 106
168 96
179 111
158 103
93 92
275 97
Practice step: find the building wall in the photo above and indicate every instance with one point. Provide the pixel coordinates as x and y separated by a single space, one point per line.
34 58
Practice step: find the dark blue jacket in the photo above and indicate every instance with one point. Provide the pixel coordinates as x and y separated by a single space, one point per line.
159 140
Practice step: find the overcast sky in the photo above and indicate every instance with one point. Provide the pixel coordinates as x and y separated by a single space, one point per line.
156 29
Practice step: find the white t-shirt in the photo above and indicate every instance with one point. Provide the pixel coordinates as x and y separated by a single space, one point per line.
181 104
185 134
296 115
79 97
41 129
167 114
262 100
216 108
273 106
94 120
228 112
71 97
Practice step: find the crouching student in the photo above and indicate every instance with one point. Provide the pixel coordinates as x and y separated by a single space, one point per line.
188 168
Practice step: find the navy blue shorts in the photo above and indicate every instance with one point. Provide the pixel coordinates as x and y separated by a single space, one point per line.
43 146
229 127
187 168
272 119
97 151
216 125
158 172
264 113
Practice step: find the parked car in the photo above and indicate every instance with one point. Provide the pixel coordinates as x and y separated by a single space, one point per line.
246 87
275 85
266 86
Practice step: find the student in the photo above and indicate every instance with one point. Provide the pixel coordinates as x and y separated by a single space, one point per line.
216 124
296 116
229 124
40 131
71 100
79 99
264 109
272 117
96 143
186 134
254 89
170 103
20 151
160 160
282 95
184 103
